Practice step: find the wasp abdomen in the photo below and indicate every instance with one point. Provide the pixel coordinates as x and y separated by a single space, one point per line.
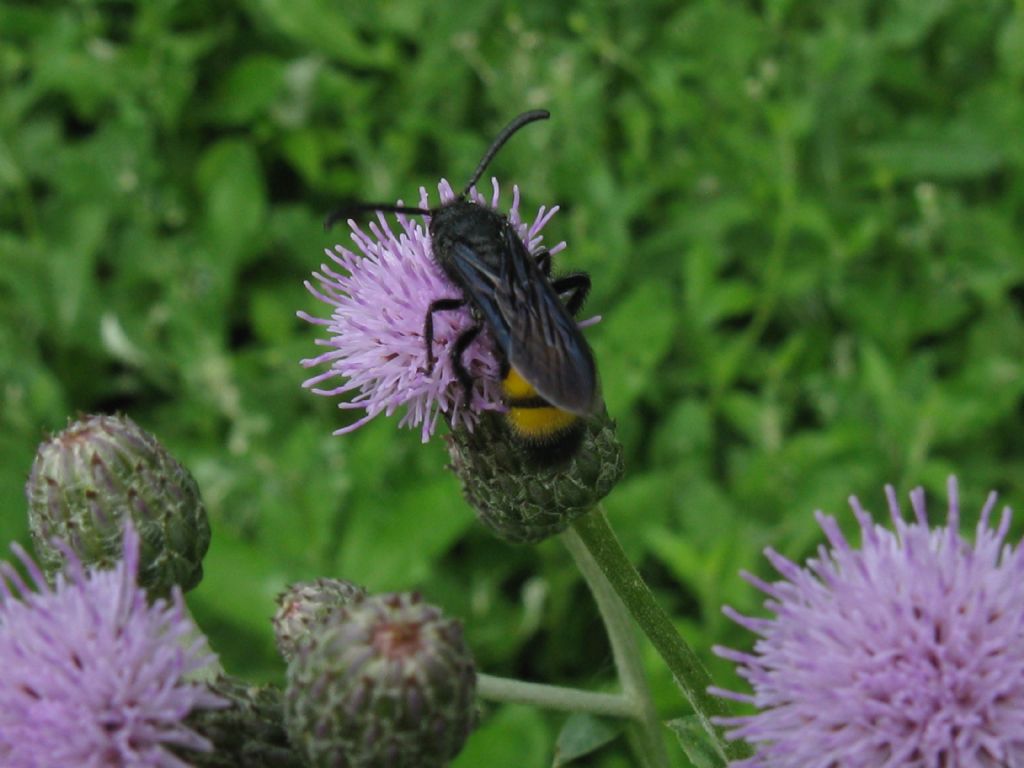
550 432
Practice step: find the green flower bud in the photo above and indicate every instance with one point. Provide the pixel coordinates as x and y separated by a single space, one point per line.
250 732
101 469
521 499
388 682
306 605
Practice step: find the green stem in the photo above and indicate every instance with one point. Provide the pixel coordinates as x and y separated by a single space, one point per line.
689 674
625 649
555 697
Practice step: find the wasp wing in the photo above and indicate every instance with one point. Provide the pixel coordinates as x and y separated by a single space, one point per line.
480 284
530 324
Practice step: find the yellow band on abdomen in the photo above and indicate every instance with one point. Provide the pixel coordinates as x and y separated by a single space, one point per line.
539 423
529 416
516 387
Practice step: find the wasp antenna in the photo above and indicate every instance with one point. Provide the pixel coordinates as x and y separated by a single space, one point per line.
354 209
498 143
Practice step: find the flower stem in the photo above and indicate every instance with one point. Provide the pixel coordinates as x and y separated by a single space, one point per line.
648 742
555 697
693 680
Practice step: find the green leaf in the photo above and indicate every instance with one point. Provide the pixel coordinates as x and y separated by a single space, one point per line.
1011 43
17 454
304 150
908 21
938 157
72 266
324 27
235 600
695 742
581 735
234 194
90 75
633 338
248 89
11 174
393 542
513 737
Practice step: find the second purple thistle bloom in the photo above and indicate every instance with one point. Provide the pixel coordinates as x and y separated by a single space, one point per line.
94 673
905 653
379 298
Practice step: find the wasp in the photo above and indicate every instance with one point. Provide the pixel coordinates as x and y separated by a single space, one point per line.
549 379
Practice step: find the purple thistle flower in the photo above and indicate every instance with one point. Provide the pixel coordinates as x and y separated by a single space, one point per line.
378 302
91 675
908 652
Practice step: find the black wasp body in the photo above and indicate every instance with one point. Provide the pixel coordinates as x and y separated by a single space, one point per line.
509 292
549 378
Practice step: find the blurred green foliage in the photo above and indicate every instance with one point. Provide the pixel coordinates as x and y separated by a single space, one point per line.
802 220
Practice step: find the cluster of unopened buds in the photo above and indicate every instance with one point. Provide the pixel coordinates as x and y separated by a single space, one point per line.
103 666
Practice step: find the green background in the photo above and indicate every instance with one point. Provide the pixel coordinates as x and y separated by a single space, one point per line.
802 219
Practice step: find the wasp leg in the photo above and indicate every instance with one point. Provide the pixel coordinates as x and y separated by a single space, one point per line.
542 259
441 305
572 289
575 284
461 345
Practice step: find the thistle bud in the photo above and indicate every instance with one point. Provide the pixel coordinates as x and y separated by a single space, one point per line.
248 732
521 499
306 605
387 682
101 469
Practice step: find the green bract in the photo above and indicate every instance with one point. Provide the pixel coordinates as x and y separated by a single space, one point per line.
388 682
304 606
86 479
521 500
248 733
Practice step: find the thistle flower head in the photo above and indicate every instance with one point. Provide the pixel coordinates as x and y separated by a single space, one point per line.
908 652
379 298
93 674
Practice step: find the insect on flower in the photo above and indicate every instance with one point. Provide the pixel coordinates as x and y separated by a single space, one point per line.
548 375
